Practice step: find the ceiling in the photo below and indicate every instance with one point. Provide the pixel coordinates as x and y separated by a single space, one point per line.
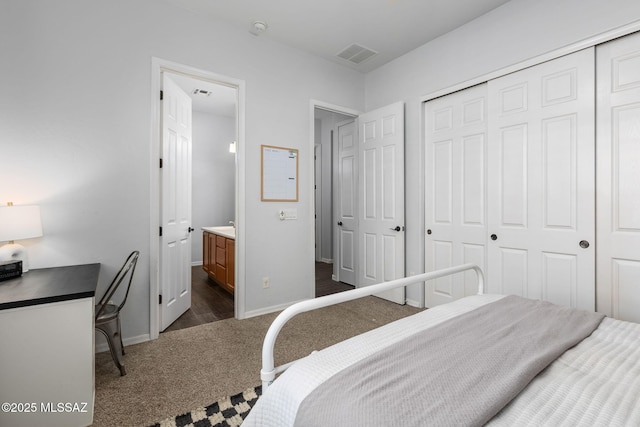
325 28
210 98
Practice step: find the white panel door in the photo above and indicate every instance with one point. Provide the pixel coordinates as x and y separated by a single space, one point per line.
317 189
381 198
618 178
346 218
455 202
175 242
541 203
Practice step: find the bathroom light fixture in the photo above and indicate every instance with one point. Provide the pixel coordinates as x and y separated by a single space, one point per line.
232 147
18 223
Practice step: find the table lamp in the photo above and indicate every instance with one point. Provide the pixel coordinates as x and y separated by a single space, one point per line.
18 223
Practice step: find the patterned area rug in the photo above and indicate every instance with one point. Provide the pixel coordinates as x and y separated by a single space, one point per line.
227 412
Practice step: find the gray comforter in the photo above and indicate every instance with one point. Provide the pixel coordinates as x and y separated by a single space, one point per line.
461 372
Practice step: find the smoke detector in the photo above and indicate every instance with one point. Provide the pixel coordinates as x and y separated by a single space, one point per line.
258 27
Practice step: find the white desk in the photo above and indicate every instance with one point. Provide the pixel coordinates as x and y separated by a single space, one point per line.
47 347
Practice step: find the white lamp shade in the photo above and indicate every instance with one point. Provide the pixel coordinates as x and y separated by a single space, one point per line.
20 222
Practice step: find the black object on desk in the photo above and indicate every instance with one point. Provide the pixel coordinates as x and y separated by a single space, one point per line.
47 285
10 269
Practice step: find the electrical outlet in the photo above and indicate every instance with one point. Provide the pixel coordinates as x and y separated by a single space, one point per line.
265 282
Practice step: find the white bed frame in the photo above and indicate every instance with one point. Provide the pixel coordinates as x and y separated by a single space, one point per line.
269 371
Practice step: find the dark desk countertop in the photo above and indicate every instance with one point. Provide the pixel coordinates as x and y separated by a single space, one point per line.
47 285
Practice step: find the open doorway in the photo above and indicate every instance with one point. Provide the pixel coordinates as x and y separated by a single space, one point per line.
326 121
200 83
367 215
214 136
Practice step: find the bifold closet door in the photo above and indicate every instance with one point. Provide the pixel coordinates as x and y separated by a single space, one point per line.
618 178
455 201
541 195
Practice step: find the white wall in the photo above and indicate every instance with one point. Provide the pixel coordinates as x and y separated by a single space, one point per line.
75 120
213 178
510 34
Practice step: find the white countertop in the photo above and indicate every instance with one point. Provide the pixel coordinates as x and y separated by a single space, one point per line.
227 231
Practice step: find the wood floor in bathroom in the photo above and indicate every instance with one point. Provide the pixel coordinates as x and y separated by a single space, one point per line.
209 302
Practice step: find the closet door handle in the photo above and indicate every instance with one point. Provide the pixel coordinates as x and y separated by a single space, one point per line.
494 237
584 244
340 223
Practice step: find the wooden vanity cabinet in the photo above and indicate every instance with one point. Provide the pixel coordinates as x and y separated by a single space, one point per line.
221 260
231 265
218 259
208 253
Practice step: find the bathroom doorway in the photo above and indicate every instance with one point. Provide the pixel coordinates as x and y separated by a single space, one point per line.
160 275
214 141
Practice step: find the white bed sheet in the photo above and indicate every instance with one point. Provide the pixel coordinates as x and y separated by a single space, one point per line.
596 383
278 406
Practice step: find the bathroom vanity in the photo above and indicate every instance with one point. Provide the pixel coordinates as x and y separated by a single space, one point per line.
218 257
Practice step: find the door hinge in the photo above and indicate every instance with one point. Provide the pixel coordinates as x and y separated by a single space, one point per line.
161 95
160 232
160 299
160 163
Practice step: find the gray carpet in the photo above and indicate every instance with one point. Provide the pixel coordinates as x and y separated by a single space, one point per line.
194 367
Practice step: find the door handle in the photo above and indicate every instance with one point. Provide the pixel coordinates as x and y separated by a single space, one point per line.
584 244
494 237
190 229
340 223
396 228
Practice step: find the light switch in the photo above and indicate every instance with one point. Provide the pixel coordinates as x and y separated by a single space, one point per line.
291 213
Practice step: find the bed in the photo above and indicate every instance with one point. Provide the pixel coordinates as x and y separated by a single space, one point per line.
484 359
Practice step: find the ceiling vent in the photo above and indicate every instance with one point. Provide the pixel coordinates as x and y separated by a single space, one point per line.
356 54
201 92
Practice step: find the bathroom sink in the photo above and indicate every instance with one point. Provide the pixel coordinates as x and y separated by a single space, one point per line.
228 231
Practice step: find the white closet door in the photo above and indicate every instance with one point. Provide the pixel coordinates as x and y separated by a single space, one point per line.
455 202
618 178
541 203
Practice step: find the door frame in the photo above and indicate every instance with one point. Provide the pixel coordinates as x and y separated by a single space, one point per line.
314 103
158 66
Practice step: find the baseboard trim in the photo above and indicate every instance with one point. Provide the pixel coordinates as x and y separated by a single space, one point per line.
102 346
268 310
413 303
196 263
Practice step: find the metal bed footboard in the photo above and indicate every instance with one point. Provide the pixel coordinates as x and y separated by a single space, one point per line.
269 371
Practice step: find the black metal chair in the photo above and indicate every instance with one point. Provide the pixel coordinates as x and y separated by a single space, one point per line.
107 313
